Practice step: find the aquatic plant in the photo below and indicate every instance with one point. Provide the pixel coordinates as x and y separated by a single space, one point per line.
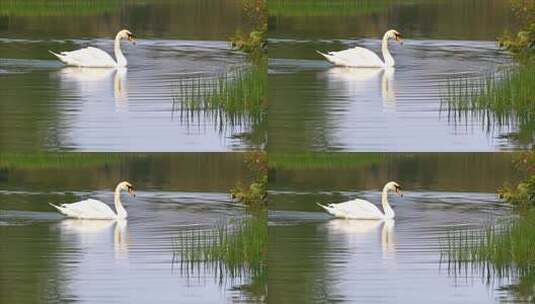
233 250
255 193
236 98
505 98
503 250
57 7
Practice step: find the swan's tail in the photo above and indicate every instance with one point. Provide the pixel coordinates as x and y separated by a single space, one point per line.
60 209
55 54
61 57
329 210
328 57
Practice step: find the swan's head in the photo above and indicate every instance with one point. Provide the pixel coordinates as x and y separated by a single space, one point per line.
126 34
393 34
126 186
395 187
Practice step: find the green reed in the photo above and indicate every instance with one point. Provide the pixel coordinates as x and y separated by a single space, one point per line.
506 98
235 98
503 250
233 250
57 7
296 8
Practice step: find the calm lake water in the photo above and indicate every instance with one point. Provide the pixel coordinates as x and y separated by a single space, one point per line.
314 105
313 257
48 106
47 258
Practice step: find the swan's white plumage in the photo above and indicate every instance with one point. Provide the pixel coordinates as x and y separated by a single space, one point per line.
355 209
87 57
88 209
355 57
97 210
363 210
91 57
359 57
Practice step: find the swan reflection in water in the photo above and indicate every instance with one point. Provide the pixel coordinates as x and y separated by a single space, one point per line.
94 235
364 84
365 234
98 84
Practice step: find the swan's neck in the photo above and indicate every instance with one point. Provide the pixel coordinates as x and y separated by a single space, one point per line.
389 212
389 60
121 212
121 60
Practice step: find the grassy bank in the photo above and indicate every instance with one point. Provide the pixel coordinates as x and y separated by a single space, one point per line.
321 160
292 8
51 160
32 8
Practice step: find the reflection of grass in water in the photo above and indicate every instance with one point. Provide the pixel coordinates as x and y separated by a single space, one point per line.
47 160
325 7
57 7
504 250
234 250
235 98
321 160
503 99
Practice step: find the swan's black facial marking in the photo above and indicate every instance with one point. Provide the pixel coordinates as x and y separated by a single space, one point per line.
397 37
131 190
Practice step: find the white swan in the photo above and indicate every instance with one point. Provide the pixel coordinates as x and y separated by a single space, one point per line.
92 57
97 210
359 57
363 210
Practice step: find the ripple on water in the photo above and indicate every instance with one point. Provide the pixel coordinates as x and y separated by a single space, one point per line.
120 110
399 109
353 261
112 259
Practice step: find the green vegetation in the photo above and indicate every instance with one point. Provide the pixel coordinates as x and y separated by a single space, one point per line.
505 98
51 160
523 194
296 8
504 250
232 250
320 160
254 42
254 194
522 43
57 7
237 97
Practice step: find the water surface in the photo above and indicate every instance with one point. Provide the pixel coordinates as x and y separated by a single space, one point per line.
47 106
315 258
47 258
315 106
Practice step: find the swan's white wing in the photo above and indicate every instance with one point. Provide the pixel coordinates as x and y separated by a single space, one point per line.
87 57
89 209
357 209
356 57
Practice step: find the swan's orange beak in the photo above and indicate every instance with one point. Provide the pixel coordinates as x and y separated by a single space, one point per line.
131 192
398 192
